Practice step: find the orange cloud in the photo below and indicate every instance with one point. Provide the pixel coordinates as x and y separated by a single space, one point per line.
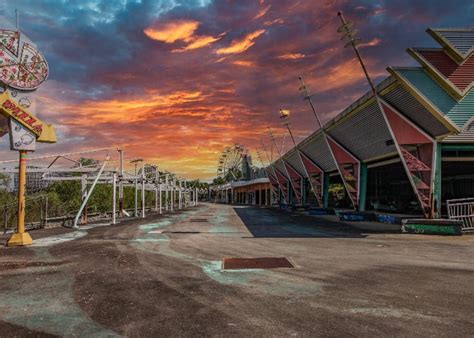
199 42
244 63
273 22
343 75
262 12
241 45
172 31
181 30
293 56
371 43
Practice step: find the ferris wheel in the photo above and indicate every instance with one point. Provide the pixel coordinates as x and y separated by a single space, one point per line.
230 162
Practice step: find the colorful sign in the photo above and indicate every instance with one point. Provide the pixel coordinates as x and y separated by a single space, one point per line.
44 132
22 65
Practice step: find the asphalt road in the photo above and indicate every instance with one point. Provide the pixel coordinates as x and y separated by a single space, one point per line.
162 276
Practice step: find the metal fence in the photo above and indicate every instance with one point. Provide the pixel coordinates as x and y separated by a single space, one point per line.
462 210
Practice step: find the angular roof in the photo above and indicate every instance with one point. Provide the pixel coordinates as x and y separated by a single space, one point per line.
439 104
458 42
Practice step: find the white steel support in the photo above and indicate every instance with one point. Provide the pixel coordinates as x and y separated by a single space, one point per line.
120 178
143 189
83 195
89 193
172 196
157 184
166 192
114 197
180 194
136 191
160 202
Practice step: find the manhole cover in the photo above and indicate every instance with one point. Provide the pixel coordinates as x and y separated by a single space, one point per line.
256 263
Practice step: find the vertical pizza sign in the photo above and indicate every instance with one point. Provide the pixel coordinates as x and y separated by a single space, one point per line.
22 70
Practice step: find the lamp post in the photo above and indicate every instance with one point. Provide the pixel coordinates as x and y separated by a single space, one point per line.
285 116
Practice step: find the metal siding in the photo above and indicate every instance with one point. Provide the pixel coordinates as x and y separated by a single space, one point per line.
466 135
460 76
458 112
415 111
280 166
364 134
294 159
463 41
318 151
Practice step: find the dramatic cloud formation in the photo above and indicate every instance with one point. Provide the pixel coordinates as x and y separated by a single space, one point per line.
173 31
241 45
175 81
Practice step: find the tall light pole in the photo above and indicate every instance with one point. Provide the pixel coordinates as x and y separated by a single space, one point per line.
285 116
272 137
408 148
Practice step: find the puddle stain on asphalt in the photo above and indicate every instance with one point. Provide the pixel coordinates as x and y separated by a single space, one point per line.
47 306
267 281
57 239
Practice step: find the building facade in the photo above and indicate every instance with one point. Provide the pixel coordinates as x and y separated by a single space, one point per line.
407 150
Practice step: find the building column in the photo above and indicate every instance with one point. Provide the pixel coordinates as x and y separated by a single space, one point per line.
363 186
326 180
437 181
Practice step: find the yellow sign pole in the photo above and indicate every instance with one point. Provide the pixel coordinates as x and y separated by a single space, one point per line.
21 237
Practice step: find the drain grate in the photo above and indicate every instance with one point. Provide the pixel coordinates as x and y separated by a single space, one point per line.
198 220
256 263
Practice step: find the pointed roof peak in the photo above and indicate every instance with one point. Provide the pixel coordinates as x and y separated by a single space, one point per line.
457 42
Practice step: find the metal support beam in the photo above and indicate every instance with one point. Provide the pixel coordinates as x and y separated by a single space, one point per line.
114 198
120 177
437 193
349 168
84 203
418 152
143 189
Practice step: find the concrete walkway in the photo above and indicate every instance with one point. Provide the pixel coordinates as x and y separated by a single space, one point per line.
162 276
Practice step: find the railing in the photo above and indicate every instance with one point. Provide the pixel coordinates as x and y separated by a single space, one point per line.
462 209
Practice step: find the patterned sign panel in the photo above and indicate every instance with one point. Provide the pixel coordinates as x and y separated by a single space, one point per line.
21 138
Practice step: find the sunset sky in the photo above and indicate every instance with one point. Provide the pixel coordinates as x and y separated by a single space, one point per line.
175 81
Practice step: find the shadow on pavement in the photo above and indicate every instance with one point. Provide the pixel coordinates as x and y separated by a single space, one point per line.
275 223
